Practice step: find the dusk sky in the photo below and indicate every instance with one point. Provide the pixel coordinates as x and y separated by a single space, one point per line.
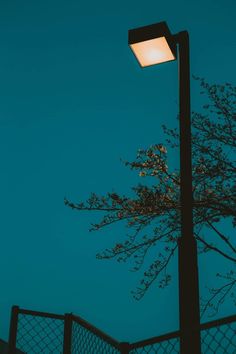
74 102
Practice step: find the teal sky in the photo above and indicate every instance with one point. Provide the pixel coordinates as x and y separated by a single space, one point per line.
73 101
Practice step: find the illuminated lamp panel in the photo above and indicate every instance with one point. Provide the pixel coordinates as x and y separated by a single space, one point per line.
153 51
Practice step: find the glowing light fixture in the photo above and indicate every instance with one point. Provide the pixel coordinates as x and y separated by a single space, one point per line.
152 44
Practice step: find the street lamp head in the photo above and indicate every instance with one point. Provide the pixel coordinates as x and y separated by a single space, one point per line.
152 44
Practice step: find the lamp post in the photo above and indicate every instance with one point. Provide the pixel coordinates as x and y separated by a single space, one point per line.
154 44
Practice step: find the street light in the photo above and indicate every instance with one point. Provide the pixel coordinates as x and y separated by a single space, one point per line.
154 44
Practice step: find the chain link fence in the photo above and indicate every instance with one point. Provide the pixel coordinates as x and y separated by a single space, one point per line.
36 332
39 332
219 336
169 343
86 340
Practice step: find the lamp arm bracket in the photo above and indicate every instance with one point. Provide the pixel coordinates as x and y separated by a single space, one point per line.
181 37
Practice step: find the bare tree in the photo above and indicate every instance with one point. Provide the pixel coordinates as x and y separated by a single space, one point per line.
152 212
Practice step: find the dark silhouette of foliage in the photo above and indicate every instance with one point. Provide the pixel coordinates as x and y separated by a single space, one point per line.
153 212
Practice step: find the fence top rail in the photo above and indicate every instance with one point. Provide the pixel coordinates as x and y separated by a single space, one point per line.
96 331
219 322
154 340
41 314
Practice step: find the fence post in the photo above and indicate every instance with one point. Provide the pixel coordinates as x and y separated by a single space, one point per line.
13 330
124 348
67 333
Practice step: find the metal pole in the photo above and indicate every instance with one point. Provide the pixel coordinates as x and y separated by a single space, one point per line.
124 348
67 334
13 330
189 314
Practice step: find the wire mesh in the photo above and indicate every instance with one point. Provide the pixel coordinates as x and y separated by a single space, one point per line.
219 339
36 334
86 342
164 347
39 332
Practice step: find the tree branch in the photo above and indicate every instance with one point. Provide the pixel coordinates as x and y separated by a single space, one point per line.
213 248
